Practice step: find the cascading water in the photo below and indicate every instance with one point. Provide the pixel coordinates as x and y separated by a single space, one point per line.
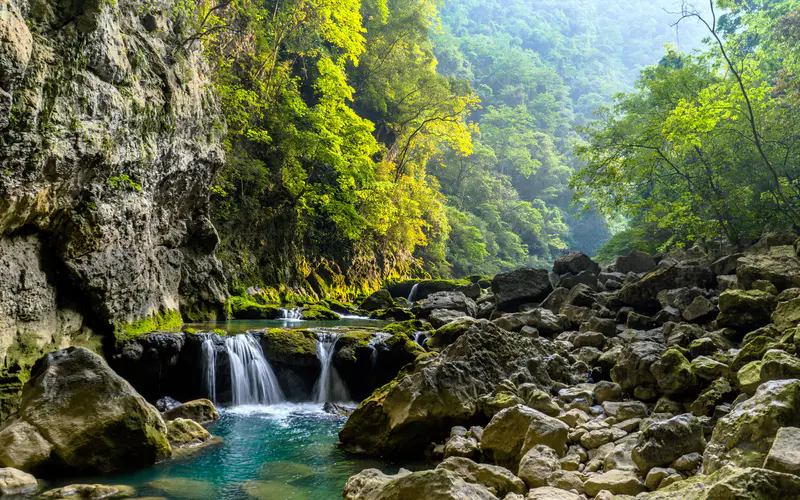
292 314
379 337
329 387
209 360
252 378
412 296
421 338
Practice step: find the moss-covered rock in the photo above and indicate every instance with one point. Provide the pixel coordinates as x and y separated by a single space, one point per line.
730 483
183 432
787 315
201 411
449 333
744 436
409 327
162 321
245 307
296 347
745 310
392 313
318 312
402 289
754 351
381 299
674 373
90 418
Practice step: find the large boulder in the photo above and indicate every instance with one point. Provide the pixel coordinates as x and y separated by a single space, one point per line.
436 484
731 483
779 266
523 286
575 263
497 478
91 419
643 294
449 301
784 456
14 482
745 310
424 402
201 411
663 442
542 319
744 436
787 314
633 365
515 430
634 262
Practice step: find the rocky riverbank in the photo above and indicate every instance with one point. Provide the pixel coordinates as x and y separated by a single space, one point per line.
668 377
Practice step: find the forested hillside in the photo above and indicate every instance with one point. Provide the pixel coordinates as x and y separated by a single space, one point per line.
388 138
706 148
540 68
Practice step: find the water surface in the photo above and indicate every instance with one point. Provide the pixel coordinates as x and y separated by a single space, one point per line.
277 452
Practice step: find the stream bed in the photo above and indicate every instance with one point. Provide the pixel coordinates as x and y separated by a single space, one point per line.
276 452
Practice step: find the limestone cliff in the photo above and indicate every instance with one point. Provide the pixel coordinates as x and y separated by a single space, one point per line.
110 134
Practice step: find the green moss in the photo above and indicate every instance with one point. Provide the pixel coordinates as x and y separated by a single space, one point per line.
220 332
448 334
189 331
409 327
392 313
318 313
244 307
356 338
167 320
281 342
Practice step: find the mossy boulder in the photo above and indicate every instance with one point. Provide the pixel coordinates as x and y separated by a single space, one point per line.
745 310
393 314
90 419
787 315
409 327
755 350
201 411
449 333
161 321
293 356
381 299
643 294
674 374
353 360
185 433
744 436
730 483
318 312
248 308
779 266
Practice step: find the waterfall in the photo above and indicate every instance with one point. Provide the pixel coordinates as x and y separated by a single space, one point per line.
292 314
379 337
209 360
413 295
329 387
421 338
252 379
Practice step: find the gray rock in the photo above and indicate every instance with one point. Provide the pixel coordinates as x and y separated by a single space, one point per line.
372 484
575 263
633 365
514 288
451 301
784 456
538 466
634 262
498 479
15 482
663 442
515 430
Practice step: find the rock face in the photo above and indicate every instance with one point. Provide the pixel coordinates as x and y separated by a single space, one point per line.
77 414
438 392
106 166
522 286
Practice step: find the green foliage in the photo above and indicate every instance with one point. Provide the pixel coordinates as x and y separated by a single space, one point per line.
124 181
707 145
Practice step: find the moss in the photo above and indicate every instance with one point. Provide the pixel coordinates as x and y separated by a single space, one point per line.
220 332
356 338
244 307
449 333
409 327
392 313
318 312
167 320
189 331
280 343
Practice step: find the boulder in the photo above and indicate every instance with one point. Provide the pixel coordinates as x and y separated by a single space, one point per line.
634 262
619 482
787 314
92 419
447 334
15 482
779 365
450 301
575 263
550 493
633 365
731 483
711 397
699 310
674 373
784 456
381 299
644 293
436 484
514 431
437 392
543 320
462 446
745 310
726 265
74 491
496 478
663 442
523 286
779 266
201 411
538 466
744 437
441 317
183 433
